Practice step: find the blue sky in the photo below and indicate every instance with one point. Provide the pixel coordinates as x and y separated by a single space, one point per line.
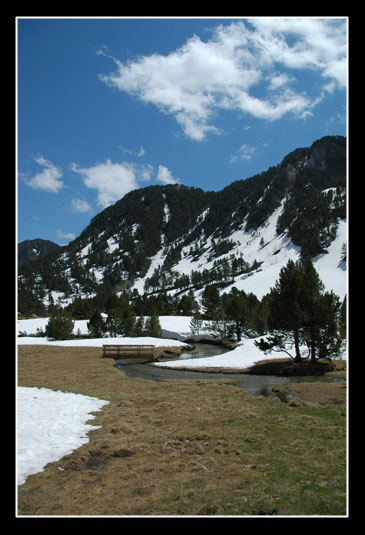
105 106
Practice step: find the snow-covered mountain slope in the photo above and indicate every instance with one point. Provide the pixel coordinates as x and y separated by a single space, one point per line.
178 239
271 251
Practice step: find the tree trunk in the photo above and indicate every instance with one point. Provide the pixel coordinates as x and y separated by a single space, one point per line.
298 357
313 352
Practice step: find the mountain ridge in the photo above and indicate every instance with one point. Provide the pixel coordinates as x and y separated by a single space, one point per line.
160 238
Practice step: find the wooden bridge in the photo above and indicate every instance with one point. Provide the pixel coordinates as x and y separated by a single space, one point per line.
128 351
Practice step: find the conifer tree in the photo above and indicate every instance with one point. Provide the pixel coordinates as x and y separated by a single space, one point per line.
302 313
96 325
152 326
343 319
328 336
196 324
211 302
114 322
286 313
236 309
312 310
140 326
60 326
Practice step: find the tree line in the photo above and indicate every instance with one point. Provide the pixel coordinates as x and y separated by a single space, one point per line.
298 317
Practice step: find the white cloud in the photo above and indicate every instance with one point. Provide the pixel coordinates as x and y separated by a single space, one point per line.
141 152
145 172
67 236
80 206
279 80
318 44
111 180
200 78
48 179
245 152
164 175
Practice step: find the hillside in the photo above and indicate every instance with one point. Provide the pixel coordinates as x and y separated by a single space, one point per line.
175 238
30 250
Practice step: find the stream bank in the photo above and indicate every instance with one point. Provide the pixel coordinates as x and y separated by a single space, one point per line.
261 383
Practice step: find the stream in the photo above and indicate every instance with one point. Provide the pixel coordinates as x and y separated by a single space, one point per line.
256 385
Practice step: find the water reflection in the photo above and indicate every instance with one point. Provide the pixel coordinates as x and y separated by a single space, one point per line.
203 350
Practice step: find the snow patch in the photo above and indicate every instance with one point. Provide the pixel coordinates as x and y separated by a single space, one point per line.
50 425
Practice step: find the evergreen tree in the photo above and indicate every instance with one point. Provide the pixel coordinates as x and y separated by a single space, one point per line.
140 326
196 324
211 302
236 309
328 338
343 319
121 321
60 326
312 311
188 305
153 327
114 323
96 325
286 312
301 313
258 317
129 322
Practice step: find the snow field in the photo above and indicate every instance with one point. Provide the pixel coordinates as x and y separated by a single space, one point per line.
50 425
274 254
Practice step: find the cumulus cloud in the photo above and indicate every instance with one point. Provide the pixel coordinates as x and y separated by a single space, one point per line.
247 66
317 44
48 179
164 176
111 180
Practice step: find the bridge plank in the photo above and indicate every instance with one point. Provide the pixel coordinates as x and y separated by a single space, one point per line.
127 351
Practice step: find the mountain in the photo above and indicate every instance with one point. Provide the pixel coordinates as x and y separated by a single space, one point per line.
30 250
176 238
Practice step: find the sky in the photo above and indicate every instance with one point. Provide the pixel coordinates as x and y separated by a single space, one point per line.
109 105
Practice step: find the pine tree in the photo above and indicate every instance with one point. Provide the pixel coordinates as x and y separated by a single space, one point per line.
328 336
60 326
152 326
211 302
140 326
96 325
343 319
236 309
286 313
312 312
114 322
196 324
302 313
129 322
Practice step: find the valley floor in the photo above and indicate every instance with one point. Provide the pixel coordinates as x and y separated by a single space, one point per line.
177 448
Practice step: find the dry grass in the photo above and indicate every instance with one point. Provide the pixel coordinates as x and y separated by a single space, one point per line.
184 447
